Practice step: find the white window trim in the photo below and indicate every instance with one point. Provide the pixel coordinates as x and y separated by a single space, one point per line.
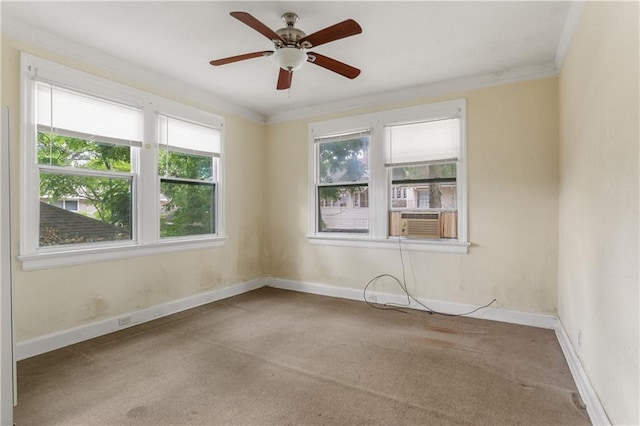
170 108
379 179
146 237
104 252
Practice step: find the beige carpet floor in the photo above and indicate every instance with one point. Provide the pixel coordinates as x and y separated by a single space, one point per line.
279 357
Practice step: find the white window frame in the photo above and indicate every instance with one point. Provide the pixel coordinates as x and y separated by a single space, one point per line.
380 178
182 112
146 192
316 148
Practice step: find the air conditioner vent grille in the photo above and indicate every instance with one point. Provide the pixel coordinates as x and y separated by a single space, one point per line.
420 215
420 225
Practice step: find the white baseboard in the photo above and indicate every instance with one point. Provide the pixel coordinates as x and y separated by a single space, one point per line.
60 339
595 409
490 313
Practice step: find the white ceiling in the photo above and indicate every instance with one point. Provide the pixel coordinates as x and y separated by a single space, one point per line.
403 45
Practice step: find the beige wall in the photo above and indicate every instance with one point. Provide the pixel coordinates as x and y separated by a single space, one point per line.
598 252
551 230
57 299
512 134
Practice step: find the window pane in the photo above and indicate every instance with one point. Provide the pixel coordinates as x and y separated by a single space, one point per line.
424 171
344 161
63 151
186 166
424 201
71 205
103 214
186 208
344 209
426 186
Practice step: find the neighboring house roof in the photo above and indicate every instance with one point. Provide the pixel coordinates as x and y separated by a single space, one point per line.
59 226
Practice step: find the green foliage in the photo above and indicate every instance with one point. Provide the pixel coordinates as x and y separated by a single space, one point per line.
187 166
57 150
344 161
447 170
189 206
188 210
111 197
330 192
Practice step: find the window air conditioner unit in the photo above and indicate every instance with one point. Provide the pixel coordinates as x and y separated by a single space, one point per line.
420 225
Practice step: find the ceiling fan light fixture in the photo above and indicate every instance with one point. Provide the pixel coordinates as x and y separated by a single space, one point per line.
290 58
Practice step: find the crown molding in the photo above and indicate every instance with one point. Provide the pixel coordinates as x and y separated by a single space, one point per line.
570 25
74 51
38 38
417 92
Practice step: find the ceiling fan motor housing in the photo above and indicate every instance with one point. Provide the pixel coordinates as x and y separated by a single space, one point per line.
290 35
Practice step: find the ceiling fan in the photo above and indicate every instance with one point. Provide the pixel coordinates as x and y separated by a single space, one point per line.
291 46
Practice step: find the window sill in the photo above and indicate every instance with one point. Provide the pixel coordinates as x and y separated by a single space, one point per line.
84 255
409 244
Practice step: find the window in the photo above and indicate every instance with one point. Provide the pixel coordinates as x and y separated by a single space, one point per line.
398 196
422 161
412 185
361 198
80 155
342 178
71 205
110 171
187 166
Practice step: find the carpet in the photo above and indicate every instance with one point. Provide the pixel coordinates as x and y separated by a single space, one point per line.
276 357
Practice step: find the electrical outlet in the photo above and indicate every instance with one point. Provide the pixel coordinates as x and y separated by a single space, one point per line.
124 321
580 338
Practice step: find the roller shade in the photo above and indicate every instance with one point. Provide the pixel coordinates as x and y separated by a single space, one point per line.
188 138
70 113
429 141
342 137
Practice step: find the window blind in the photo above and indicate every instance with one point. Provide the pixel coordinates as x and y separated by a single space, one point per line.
342 137
76 114
188 138
430 141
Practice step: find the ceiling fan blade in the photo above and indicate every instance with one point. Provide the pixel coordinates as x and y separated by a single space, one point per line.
284 79
237 58
249 20
333 65
335 32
